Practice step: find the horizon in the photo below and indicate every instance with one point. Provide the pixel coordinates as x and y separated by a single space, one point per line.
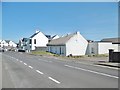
93 20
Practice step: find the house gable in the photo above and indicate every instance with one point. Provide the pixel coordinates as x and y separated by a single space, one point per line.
76 45
38 40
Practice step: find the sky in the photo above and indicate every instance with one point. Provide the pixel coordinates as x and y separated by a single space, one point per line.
94 20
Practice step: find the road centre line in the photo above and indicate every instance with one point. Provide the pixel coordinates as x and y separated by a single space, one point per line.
25 63
54 80
92 71
30 67
39 72
17 59
21 61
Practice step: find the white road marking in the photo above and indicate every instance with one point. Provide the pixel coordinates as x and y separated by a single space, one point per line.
54 80
30 67
106 67
21 61
98 65
39 72
92 71
25 63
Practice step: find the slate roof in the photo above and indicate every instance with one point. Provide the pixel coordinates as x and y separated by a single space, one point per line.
34 35
7 41
113 40
61 40
49 37
25 39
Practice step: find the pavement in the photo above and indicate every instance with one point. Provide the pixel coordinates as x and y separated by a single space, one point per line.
109 64
21 70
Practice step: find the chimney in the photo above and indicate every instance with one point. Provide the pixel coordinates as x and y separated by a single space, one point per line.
37 31
77 32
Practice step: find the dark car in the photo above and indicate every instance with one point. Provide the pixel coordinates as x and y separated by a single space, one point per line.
1 49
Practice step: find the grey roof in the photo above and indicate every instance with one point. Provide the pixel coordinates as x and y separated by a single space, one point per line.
54 36
49 37
61 40
34 35
25 39
7 41
113 40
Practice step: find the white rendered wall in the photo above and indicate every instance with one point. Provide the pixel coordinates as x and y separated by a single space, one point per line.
11 43
41 41
103 47
91 45
76 46
57 50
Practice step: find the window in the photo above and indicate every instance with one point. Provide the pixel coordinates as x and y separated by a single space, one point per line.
92 50
30 41
34 41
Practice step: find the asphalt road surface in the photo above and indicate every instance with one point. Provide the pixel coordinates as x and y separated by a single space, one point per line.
20 70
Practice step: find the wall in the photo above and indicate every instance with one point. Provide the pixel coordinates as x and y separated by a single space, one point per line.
76 46
61 50
116 47
41 41
100 47
92 48
12 44
103 47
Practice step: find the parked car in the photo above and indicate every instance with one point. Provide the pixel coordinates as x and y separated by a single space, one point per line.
1 49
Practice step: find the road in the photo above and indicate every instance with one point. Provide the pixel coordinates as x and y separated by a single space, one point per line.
20 70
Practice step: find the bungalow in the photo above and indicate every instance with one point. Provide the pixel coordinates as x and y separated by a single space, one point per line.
103 46
73 44
38 40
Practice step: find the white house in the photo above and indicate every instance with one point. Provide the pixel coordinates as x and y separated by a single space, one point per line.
24 44
11 43
38 40
103 46
3 43
73 44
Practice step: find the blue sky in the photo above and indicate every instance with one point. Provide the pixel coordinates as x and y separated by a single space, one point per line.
94 20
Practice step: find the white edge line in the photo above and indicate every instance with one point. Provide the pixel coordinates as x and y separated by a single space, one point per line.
92 71
106 67
39 71
54 80
98 66
30 67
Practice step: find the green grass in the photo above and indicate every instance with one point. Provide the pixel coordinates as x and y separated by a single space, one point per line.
98 55
76 57
41 53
